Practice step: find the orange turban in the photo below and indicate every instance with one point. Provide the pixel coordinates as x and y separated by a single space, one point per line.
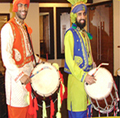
16 2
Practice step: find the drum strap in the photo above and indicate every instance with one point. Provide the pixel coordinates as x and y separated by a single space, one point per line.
30 44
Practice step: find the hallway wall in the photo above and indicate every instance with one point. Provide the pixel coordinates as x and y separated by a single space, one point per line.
33 21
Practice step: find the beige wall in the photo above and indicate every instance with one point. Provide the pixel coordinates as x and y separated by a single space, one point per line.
33 21
6 8
116 22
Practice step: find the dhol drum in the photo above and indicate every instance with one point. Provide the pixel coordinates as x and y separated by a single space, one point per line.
45 82
103 94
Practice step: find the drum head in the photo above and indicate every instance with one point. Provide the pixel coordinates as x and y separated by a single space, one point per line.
45 80
103 86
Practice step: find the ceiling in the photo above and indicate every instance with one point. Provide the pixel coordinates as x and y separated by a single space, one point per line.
43 1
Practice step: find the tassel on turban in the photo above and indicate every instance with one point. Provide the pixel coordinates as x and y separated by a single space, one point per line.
16 2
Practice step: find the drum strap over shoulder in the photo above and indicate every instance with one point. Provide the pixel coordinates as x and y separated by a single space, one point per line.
31 45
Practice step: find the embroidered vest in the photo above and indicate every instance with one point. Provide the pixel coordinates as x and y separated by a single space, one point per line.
80 53
19 52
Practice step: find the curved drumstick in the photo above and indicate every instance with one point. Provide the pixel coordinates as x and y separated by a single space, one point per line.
99 67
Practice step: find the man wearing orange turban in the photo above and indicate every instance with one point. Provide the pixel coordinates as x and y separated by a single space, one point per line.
19 60
16 2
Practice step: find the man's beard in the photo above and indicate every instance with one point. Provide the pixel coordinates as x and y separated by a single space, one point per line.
81 25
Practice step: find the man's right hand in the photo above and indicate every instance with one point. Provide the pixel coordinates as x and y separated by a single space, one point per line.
25 79
90 79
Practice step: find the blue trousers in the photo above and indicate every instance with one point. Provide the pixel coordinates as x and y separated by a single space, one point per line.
81 114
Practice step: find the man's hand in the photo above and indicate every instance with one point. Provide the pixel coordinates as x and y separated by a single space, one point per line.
90 79
25 79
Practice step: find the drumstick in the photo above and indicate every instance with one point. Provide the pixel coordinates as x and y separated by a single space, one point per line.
38 72
97 69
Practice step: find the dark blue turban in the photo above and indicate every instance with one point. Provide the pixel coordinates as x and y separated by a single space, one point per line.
79 7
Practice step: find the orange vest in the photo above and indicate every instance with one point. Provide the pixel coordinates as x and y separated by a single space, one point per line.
19 43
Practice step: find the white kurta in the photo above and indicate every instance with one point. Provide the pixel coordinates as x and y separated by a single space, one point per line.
16 93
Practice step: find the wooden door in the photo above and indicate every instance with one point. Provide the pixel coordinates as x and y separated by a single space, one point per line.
101 27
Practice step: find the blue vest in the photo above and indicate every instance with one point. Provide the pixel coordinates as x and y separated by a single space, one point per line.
80 54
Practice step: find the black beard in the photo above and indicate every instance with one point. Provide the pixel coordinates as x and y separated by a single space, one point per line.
81 25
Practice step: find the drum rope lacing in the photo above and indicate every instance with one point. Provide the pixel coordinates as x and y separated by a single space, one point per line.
113 106
41 70
109 107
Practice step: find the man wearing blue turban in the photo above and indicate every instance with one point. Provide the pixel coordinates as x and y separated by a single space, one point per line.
78 62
